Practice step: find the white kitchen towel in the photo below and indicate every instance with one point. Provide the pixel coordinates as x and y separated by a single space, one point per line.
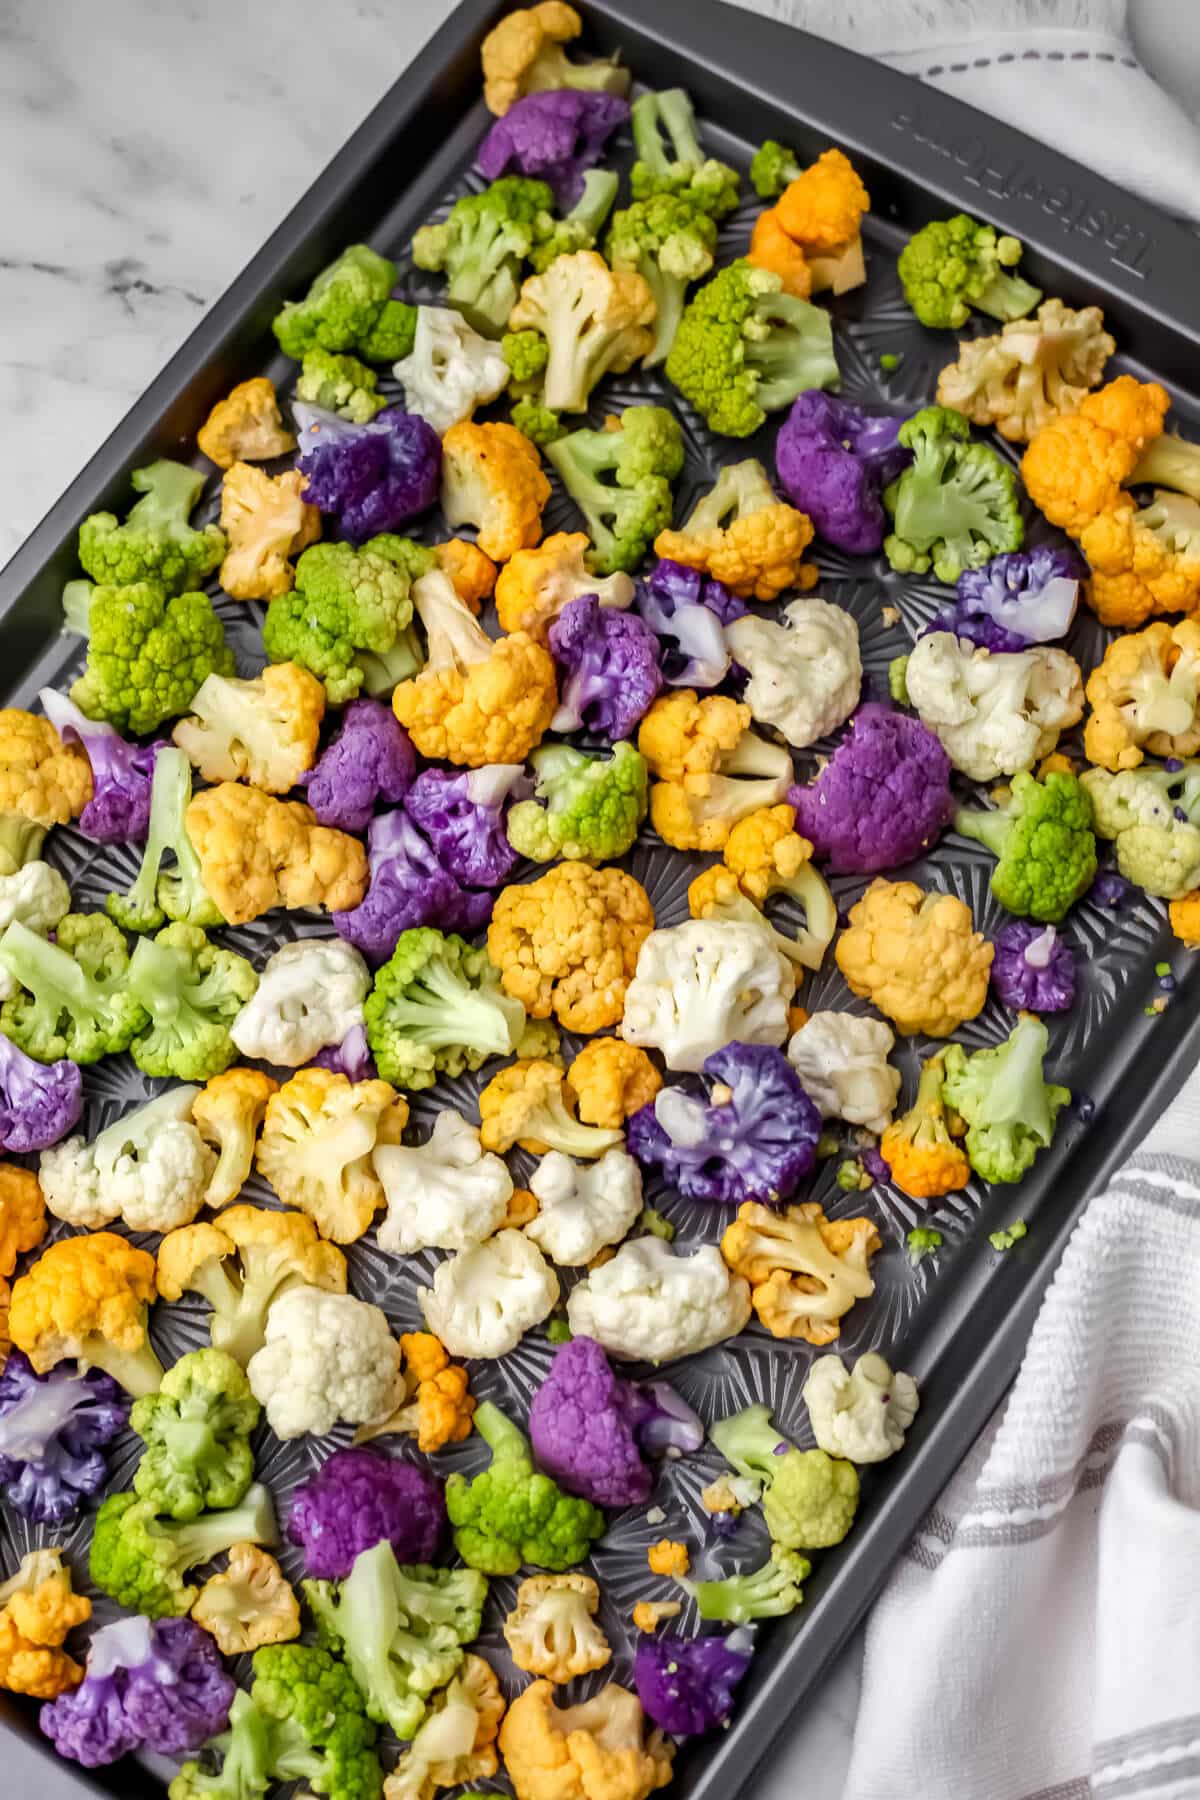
1061 70
1040 1640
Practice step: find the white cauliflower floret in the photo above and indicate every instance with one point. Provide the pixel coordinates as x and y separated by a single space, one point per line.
263 731
450 369
326 1357
704 984
861 1414
996 713
843 1062
485 1299
151 1169
650 1305
37 897
309 994
584 1207
805 676
552 1630
445 1194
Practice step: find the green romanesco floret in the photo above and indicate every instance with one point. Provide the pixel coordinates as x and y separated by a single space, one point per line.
341 384
526 353
670 241
1153 817
178 892
582 225
196 1430
191 992
898 680
809 1498
155 543
539 424
1008 1235
1009 1108
437 1008
482 244
147 653
74 1000
621 482
952 265
391 336
1043 836
744 348
243 1753
769 1591
347 606
402 1631
141 1561
955 506
670 159
585 808
921 1242
342 307
772 167
510 1514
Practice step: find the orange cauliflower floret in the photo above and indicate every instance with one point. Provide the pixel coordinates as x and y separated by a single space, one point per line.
249 1605
712 768
648 1615
264 731
805 1271
1030 371
598 1750
533 588
531 1103
766 856
568 943
315 1150
742 536
612 1079
478 700
524 54
492 478
41 778
245 426
523 1208
1145 695
37 1610
257 853
228 1112
771 248
22 1214
916 956
1185 918
668 1557
472 573
822 209
266 521
88 1297
1075 466
1144 562
924 1159
438 1404
551 1630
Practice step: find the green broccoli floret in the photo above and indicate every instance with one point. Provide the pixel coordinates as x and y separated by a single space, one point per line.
955 506
587 808
669 157
670 241
341 308
1010 1110
75 1001
582 225
526 353
155 543
922 1241
482 244
244 1751
1008 1235
147 652
141 1561
810 1499
1043 837
772 168
764 1593
744 348
624 513
179 893
437 1008
510 1514
400 1630
192 992
898 680
1153 817
951 265
347 605
341 384
196 1430
391 336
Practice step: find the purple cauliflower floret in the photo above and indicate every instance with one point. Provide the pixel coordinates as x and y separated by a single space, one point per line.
351 1058
589 1428
1033 969
462 815
155 1685
1110 889
687 610
750 1135
39 1102
881 799
408 887
610 659
834 461
119 809
686 1685
555 137
54 1430
371 759
359 1498
1023 597
374 477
